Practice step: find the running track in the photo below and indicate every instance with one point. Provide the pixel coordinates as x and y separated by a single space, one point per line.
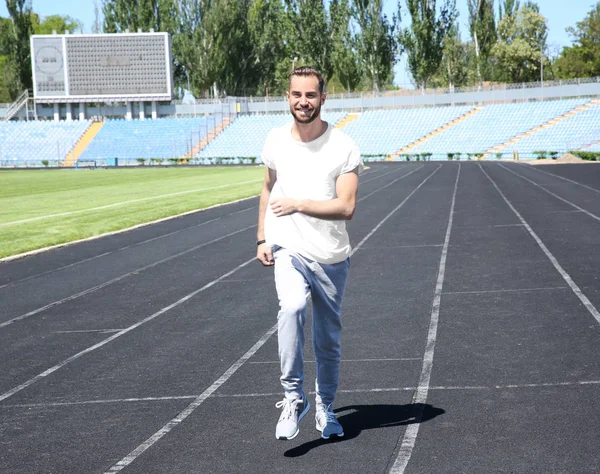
471 337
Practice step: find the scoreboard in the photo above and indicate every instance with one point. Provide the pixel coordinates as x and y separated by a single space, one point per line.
102 67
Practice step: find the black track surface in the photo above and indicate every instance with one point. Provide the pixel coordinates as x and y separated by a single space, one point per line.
515 380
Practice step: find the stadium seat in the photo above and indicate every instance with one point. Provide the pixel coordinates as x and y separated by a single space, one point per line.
31 143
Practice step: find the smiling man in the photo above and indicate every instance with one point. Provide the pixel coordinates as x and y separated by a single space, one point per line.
309 192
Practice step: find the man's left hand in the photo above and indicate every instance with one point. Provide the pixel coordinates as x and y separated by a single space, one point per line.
284 206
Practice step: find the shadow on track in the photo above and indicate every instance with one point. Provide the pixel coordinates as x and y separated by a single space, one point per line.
368 417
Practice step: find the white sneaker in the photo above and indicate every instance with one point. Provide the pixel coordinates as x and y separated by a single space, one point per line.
291 414
327 423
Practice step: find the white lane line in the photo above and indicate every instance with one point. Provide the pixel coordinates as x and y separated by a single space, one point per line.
584 299
392 182
12 283
378 176
104 331
100 402
420 395
343 360
516 290
114 280
563 178
581 383
132 456
31 313
593 216
58 366
360 244
400 246
123 203
121 231
192 406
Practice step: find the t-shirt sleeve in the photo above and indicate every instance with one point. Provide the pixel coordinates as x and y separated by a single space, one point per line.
353 161
267 152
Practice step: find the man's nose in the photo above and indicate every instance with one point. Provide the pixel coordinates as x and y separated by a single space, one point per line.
303 100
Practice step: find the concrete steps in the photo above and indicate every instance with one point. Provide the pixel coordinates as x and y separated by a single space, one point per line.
549 123
73 155
349 118
437 131
210 137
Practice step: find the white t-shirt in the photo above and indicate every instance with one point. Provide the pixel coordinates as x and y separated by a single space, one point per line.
308 170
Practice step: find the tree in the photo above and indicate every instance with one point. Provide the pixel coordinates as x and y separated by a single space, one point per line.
96 27
266 24
482 27
583 58
510 8
346 62
454 69
424 40
193 45
521 40
236 70
57 23
121 15
375 42
311 41
19 51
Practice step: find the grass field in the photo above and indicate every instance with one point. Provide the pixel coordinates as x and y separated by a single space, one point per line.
39 208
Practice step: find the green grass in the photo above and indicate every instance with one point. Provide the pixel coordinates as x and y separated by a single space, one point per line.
40 194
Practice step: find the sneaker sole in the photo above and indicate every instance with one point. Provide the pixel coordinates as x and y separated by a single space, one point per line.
300 416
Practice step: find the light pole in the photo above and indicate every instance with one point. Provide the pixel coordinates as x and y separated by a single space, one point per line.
294 62
542 68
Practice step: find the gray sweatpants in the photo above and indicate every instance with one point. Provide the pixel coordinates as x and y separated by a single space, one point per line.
297 278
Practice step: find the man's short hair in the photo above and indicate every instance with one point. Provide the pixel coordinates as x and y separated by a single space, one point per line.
307 71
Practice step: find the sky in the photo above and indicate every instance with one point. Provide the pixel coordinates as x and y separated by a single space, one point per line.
559 15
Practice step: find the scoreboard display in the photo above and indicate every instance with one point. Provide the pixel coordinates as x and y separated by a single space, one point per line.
106 67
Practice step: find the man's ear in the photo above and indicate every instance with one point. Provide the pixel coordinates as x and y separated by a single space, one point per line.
323 97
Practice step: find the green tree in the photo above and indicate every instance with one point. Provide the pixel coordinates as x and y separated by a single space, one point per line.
266 22
193 45
482 27
423 41
311 41
508 8
583 58
19 51
46 25
236 71
454 69
121 15
521 40
346 61
376 45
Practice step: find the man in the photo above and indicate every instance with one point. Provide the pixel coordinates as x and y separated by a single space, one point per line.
309 191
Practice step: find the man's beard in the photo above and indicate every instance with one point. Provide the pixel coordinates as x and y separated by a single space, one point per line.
301 118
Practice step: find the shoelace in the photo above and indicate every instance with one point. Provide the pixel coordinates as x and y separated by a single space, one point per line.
329 415
289 408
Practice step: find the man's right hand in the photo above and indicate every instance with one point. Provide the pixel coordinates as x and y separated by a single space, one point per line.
265 254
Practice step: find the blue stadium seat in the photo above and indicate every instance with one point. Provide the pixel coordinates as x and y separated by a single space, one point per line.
381 132
30 143
129 140
495 125
245 136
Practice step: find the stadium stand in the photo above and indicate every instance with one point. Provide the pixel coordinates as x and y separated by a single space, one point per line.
382 132
525 127
31 143
495 125
164 138
574 132
245 137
